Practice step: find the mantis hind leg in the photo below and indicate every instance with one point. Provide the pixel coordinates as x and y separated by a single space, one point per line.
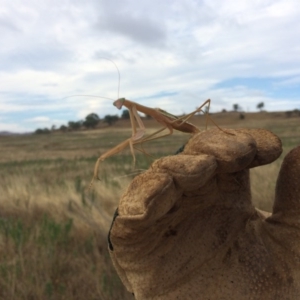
199 109
146 139
153 136
132 153
207 117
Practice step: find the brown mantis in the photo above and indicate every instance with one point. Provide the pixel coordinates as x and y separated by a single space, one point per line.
169 122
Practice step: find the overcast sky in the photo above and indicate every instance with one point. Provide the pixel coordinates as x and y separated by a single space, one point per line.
172 54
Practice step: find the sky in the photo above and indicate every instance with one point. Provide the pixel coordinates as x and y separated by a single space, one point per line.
171 54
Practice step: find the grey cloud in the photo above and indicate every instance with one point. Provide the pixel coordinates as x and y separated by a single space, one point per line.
41 57
102 54
7 25
26 99
139 29
134 21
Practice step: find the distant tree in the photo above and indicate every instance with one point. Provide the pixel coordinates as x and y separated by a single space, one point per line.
42 131
63 128
110 120
75 125
53 128
91 120
224 110
206 109
236 107
288 113
125 114
39 131
260 106
71 124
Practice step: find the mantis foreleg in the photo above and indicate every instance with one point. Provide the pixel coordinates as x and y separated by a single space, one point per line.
137 135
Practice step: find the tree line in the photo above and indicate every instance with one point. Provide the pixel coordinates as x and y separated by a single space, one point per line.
237 107
91 121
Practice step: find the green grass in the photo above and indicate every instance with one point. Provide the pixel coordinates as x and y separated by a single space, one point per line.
47 259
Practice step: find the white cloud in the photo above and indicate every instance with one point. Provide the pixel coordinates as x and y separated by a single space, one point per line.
40 119
292 81
12 127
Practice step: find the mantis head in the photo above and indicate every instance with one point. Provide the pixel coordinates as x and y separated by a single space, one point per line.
119 103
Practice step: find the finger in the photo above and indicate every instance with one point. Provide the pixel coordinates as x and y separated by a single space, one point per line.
233 152
268 146
152 194
283 226
189 172
148 197
287 199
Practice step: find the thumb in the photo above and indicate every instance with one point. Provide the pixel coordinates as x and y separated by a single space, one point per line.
287 199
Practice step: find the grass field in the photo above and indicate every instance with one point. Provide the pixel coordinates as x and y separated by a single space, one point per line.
53 232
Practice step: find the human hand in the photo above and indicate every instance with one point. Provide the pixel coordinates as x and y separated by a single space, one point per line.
186 228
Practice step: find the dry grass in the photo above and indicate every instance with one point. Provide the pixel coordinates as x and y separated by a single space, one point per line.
53 232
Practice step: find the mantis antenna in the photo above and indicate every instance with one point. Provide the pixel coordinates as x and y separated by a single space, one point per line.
118 74
119 84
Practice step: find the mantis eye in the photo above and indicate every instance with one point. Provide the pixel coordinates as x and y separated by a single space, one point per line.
119 103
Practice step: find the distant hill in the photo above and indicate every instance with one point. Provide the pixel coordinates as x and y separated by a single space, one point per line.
7 133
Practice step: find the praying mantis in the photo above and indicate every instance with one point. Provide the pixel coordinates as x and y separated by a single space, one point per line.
169 122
